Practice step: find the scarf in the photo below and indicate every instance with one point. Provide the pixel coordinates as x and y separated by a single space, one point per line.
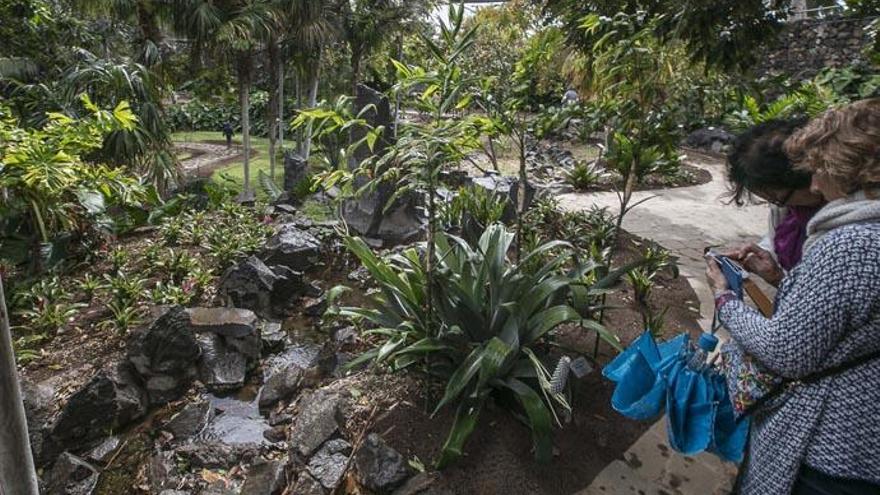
790 234
853 209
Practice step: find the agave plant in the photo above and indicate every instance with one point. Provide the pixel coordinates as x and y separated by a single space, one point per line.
490 319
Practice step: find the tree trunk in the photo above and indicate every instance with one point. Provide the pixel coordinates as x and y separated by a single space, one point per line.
16 461
244 85
355 71
628 188
149 27
281 124
429 259
314 79
521 196
274 57
298 88
493 156
398 95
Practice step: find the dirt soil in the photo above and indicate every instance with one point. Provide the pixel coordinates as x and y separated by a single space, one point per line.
498 457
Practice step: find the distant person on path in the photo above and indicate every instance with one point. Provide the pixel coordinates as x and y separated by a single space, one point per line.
821 433
570 98
758 167
227 131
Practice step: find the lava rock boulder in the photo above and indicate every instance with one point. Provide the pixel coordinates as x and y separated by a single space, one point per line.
165 356
292 247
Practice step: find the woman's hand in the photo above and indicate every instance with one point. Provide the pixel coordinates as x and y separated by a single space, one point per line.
715 277
758 261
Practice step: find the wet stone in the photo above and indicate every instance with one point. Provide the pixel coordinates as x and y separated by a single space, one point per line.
70 476
280 386
108 402
315 423
282 418
379 467
307 485
39 406
162 471
164 355
302 356
276 434
221 368
104 450
229 322
293 248
329 463
249 284
315 306
346 335
215 455
220 488
264 478
237 421
273 337
191 421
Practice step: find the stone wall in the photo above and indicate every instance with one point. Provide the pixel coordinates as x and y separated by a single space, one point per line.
805 47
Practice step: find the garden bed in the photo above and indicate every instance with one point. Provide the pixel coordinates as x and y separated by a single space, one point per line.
553 164
498 456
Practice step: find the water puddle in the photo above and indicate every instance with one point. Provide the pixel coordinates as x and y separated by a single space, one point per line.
238 420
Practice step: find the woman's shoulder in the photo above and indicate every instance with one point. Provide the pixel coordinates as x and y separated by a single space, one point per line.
867 232
860 240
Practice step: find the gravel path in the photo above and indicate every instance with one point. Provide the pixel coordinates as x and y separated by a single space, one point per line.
208 157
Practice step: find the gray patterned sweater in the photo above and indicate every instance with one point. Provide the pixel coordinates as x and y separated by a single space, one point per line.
828 313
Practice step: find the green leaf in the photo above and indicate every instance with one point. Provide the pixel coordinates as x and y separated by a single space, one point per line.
540 420
465 420
461 378
269 187
547 320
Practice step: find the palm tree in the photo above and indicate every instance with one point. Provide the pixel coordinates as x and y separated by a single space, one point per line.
367 24
307 30
147 15
148 147
236 29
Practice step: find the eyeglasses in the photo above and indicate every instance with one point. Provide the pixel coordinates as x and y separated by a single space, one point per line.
774 199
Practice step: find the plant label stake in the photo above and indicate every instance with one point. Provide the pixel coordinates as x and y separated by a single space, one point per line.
581 367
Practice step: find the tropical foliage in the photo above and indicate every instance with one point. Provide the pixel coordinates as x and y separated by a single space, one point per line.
488 332
53 192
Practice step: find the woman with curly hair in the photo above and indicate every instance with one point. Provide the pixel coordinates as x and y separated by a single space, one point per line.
818 432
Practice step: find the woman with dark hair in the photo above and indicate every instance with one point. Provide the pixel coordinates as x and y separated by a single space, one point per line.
810 374
758 167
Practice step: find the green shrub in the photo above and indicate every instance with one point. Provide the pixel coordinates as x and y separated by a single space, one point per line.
585 175
471 210
45 307
491 318
591 231
197 115
52 191
654 159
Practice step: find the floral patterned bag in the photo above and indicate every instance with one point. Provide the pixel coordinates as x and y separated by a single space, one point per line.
748 382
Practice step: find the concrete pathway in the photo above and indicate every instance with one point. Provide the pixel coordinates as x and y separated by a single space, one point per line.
685 221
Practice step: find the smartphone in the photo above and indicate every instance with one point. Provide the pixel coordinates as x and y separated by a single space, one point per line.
733 272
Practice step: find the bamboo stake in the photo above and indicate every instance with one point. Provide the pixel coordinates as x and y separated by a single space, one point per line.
17 473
